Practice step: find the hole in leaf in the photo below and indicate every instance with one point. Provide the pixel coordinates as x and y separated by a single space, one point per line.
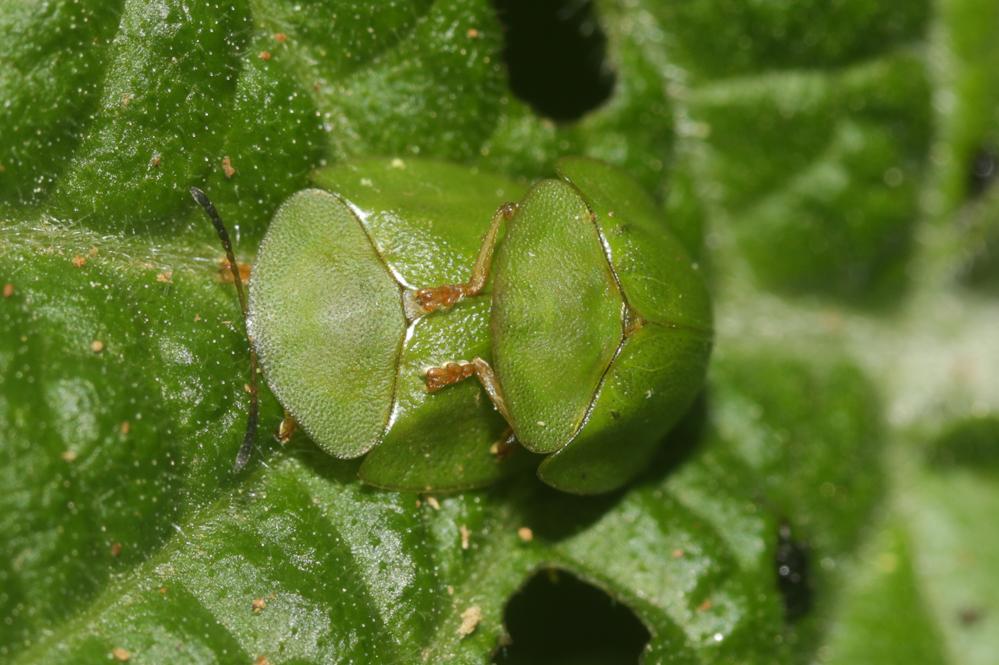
984 169
556 55
557 618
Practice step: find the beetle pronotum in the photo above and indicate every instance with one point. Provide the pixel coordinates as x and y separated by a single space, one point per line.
374 299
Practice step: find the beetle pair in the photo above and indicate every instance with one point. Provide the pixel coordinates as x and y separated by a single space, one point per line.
589 327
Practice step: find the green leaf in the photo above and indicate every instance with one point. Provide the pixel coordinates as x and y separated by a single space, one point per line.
344 571
822 160
947 582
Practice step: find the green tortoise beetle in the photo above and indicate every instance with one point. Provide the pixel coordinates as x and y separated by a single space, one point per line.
374 299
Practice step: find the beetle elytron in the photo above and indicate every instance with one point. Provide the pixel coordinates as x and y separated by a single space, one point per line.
589 330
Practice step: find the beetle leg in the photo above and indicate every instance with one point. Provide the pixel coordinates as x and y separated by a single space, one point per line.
286 429
491 384
444 297
453 372
505 446
483 263
448 374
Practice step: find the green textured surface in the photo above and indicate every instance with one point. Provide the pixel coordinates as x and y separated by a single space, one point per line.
557 316
442 441
658 368
427 219
659 279
319 289
647 388
813 157
553 280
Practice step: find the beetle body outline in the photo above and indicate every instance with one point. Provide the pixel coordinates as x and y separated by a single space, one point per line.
590 330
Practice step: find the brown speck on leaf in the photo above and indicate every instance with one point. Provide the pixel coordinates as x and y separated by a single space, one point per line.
115 550
2 168
969 616
163 590
79 261
472 33
525 534
678 553
126 98
265 55
125 427
470 619
227 168
120 654
68 455
258 605
97 346
225 272
8 290
261 660
466 536
197 317
433 502
165 277
92 252
704 606
280 37
154 161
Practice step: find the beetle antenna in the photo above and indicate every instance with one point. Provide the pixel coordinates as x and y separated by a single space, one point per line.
243 456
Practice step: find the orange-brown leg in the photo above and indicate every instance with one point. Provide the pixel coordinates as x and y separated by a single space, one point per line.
446 296
505 446
453 372
286 429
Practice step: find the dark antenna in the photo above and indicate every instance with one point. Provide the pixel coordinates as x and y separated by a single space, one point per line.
243 456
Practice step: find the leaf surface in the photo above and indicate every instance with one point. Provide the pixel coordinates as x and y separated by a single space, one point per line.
802 153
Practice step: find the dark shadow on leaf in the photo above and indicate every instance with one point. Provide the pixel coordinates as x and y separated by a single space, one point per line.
792 561
971 444
982 171
555 515
681 443
322 463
